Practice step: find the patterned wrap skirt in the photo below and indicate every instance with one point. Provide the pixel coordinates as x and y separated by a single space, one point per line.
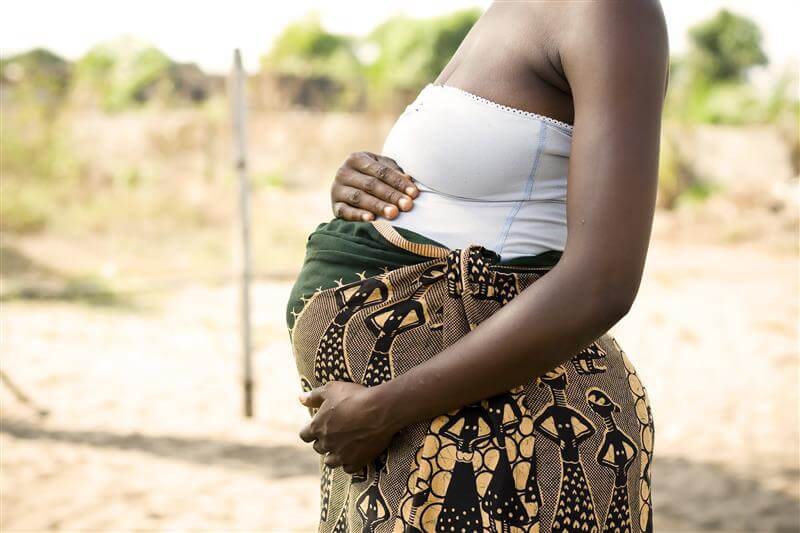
566 451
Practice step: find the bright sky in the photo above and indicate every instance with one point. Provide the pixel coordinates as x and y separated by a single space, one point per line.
207 31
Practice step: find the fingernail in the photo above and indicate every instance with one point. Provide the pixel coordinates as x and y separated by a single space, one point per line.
411 191
303 397
388 211
405 203
366 217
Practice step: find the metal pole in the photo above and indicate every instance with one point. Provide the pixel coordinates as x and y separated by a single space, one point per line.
239 128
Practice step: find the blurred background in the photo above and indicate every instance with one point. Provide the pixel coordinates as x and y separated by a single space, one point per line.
121 398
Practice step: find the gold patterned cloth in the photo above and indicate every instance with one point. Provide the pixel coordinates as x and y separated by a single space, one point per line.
567 451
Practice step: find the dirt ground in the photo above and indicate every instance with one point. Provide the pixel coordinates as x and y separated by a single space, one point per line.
144 430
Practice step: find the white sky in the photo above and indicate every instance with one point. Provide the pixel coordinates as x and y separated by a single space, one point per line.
207 31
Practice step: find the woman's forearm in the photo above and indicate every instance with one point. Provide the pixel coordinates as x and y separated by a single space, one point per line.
542 327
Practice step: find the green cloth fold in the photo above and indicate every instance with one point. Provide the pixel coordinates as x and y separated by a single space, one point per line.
339 247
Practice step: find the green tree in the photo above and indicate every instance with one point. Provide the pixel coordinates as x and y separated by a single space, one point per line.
123 73
725 47
412 52
708 84
40 73
305 48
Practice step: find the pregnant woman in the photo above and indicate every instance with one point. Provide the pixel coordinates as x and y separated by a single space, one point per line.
450 325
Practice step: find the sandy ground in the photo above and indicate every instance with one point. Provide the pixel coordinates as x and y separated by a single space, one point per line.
145 432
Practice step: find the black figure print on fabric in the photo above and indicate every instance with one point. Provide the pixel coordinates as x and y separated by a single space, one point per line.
468 428
325 492
588 360
568 428
483 477
390 321
371 504
330 363
502 501
341 522
617 452
570 451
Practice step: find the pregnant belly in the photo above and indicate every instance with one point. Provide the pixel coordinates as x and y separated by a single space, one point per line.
456 222
509 228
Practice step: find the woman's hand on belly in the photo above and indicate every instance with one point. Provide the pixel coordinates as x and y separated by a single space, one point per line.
369 185
352 426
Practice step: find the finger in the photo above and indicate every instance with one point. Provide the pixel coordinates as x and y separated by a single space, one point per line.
313 398
411 189
375 187
369 164
344 211
357 198
333 460
307 434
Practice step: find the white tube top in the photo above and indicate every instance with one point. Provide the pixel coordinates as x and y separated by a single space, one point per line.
487 174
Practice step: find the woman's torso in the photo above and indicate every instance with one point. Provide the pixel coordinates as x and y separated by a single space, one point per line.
487 174
488 143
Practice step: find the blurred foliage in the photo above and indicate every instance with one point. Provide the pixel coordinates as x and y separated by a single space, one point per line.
122 74
673 173
35 153
25 208
320 69
32 151
402 54
46 177
725 47
678 183
412 52
37 74
709 84
305 49
269 179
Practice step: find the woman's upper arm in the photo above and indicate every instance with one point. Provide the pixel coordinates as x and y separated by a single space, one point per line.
615 57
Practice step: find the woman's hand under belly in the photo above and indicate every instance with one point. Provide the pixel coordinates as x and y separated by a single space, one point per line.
368 185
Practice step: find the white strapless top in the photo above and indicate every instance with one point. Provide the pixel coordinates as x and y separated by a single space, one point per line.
487 174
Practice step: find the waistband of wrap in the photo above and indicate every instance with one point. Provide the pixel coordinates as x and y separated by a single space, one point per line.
339 249
398 246
420 245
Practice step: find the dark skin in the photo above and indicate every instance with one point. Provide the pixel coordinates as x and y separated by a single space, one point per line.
599 65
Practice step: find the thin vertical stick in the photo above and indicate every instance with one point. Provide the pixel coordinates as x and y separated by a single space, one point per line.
239 127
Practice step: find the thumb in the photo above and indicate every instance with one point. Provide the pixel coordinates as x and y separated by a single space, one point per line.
313 398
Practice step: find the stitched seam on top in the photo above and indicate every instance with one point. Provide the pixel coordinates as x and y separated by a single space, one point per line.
437 192
528 189
550 121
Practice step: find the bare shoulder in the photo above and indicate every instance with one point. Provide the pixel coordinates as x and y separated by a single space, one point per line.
616 41
616 32
623 17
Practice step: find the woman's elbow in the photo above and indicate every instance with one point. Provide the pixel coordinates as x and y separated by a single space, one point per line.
619 307
606 289
611 302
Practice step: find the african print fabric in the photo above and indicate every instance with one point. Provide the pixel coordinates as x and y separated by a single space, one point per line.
566 451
